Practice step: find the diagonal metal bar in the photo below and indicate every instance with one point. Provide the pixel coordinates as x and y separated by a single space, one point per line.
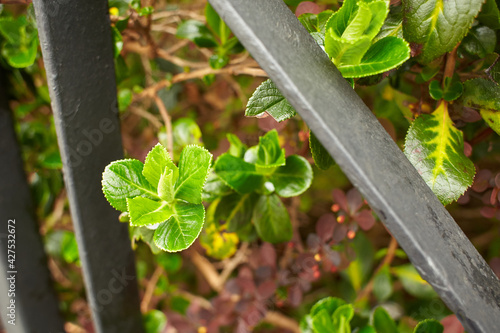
78 54
28 300
375 165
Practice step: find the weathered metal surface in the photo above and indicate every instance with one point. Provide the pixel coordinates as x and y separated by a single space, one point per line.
77 48
372 161
27 297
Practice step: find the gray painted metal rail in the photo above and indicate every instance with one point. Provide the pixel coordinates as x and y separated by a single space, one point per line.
376 166
27 283
78 53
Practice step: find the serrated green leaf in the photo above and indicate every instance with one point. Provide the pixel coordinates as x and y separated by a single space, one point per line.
236 209
485 96
146 235
166 186
479 42
236 147
309 21
322 322
271 219
429 326
196 32
382 284
339 20
384 55
214 188
238 174
490 15
293 178
268 98
270 153
321 156
194 165
330 304
346 52
124 179
437 25
144 211
393 24
382 322
156 161
413 283
436 149
182 228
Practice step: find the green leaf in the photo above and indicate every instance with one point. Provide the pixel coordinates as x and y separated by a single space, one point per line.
330 304
435 90
238 174
438 25
485 96
490 15
214 188
194 165
293 178
270 153
413 283
124 179
494 71
216 24
117 41
182 228
341 318
321 156
156 161
322 322
166 189
479 42
196 32
382 322
367 329
21 42
429 326
236 147
144 211
185 132
436 149
268 98
382 284
384 55
146 235
236 209
154 321
393 24
271 219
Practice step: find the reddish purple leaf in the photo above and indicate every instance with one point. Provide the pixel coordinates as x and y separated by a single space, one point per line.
307 7
268 255
354 200
482 180
295 295
340 198
365 219
266 289
325 226
488 212
452 325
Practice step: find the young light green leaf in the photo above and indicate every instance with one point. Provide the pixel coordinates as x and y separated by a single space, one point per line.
339 21
214 21
437 25
393 24
429 326
236 209
321 156
166 186
413 283
144 211
268 98
156 161
484 95
182 228
270 153
322 322
124 179
21 43
330 304
382 322
293 178
436 149
238 174
346 52
271 219
382 56
236 147
341 318
194 165
196 32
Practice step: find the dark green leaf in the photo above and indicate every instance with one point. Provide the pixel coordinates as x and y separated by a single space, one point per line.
437 25
117 41
479 42
236 209
321 156
216 24
485 96
268 98
393 24
429 326
182 228
413 283
194 165
382 322
271 219
435 90
214 188
436 149
293 178
196 32
490 15
494 71
144 211
238 174
124 179
270 153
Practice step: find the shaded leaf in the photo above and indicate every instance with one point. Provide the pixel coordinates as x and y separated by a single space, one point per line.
429 326
196 32
270 153
490 15
236 209
436 149
268 98
485 96
322 322
413 283
271 219
321 156
382 322
293 178
382 284
479 42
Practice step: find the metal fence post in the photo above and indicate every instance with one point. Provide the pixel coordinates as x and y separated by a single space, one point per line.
77 47
373 162
27 299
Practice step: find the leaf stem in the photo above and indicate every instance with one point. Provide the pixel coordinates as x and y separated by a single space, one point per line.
449 67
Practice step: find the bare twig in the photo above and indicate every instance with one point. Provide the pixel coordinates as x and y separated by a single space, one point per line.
145 114
238 258
150 289
168 124
207 270
279 320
